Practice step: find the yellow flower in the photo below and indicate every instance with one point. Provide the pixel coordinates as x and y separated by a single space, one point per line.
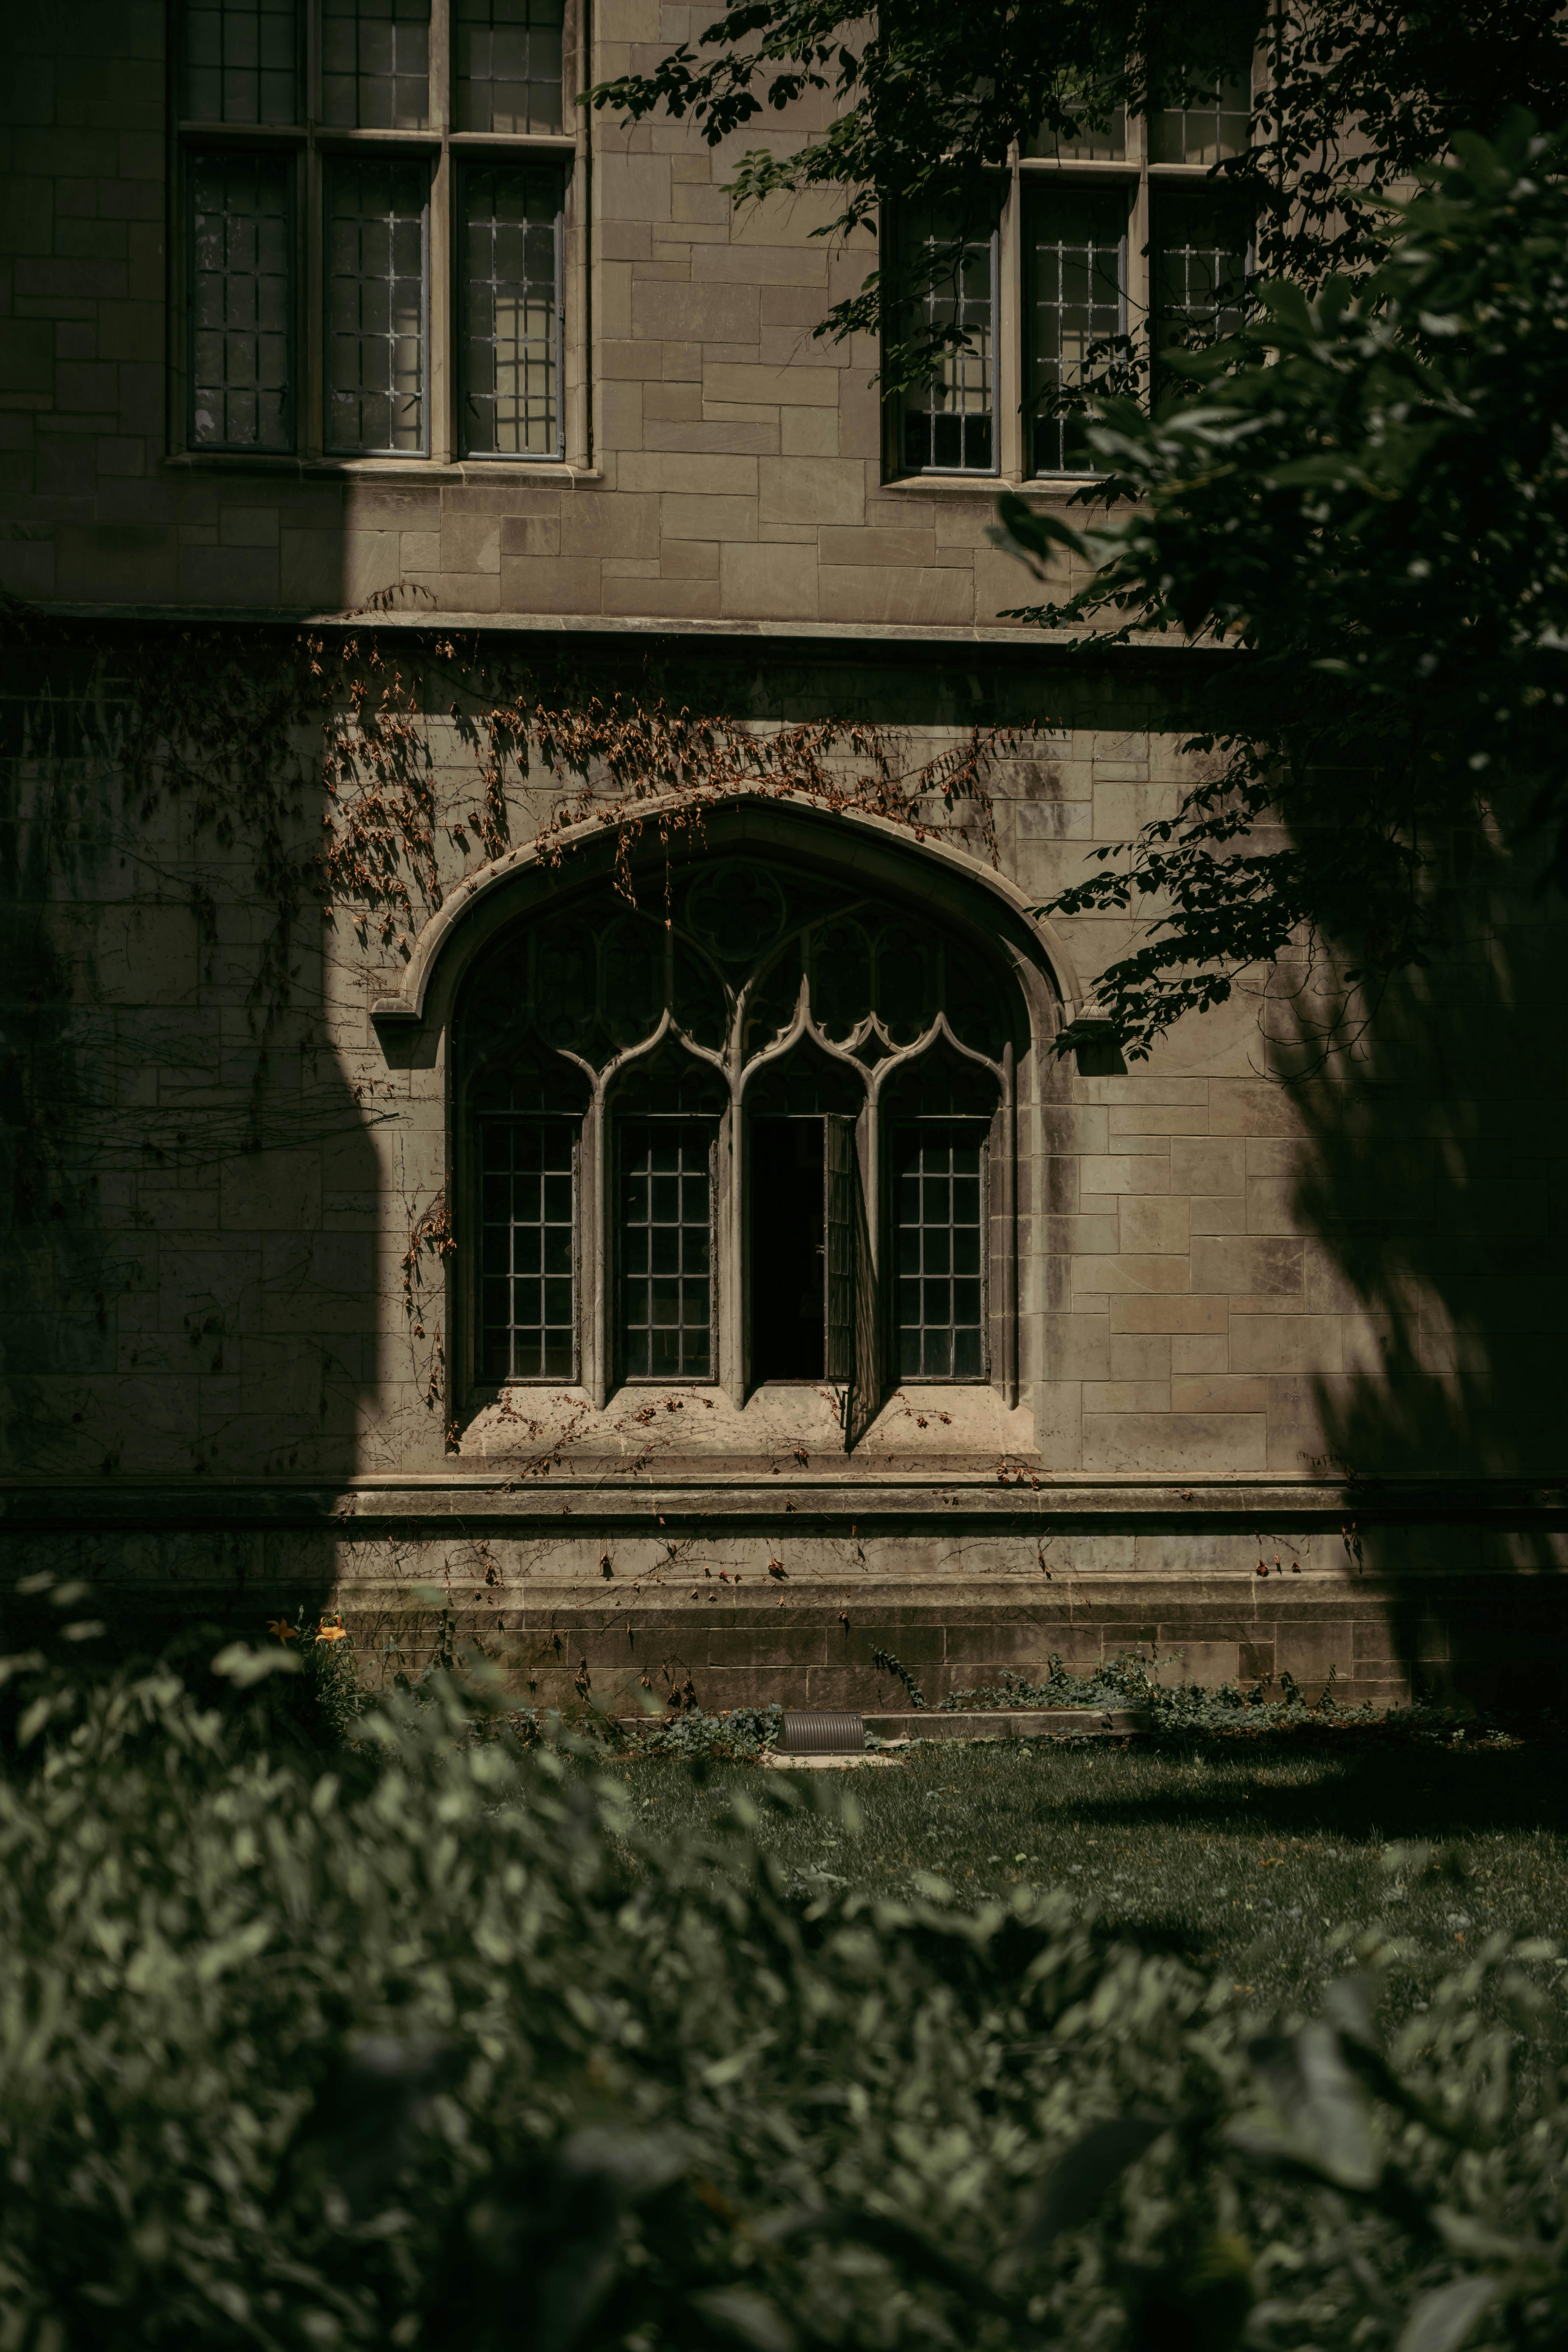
282 1629
331 1629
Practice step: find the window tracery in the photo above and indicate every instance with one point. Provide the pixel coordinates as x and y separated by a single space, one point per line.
784 1095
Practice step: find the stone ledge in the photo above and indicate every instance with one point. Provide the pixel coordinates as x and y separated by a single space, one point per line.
854 1497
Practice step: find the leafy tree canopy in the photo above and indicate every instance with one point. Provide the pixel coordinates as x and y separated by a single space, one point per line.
1363 499
1359 498
923 103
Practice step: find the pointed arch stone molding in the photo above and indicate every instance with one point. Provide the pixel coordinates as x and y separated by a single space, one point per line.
931 875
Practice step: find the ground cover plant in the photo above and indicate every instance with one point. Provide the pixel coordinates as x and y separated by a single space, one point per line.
326 2021
1262 1858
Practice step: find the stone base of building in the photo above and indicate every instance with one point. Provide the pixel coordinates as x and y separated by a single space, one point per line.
756 1591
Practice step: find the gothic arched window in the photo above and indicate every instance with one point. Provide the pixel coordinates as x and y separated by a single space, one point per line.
750 1133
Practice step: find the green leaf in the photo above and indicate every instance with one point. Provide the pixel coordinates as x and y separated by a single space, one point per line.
243 1666
1080 2180
1447 2317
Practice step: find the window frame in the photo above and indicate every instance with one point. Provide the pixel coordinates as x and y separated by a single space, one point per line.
1011 311
444 151
573 1123
333 162
622 1118
209 152
898 407
983 1132
469 164
501 1007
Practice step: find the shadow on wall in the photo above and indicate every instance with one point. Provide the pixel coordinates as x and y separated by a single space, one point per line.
1436 1175
188 1187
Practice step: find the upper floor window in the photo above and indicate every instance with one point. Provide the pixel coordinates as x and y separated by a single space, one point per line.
372 267
1108 248
753 1144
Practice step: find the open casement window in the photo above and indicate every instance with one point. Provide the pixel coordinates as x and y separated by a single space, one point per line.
744 1083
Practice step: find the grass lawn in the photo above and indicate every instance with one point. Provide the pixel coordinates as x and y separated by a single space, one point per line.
1248 1855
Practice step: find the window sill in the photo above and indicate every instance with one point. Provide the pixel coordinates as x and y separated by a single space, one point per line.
988 486
381 469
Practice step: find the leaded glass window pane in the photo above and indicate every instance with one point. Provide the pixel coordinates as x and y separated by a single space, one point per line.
375 64
939 1251
240 62
1218 125
507 64
1076 249
666 1249
527 1266
376 306
241 240
511 350
1200 257
1091 146
948 422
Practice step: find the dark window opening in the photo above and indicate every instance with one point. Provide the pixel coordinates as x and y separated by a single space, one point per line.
667 1286
526 1270
939 1249
788 1242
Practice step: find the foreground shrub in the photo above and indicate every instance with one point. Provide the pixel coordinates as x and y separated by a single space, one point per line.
419 2044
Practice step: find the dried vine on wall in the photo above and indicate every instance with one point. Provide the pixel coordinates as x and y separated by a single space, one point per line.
347 781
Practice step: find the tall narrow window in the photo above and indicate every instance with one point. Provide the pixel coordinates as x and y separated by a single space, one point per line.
1218 124
939 1234
240 62
948 421
375 64
241 305
528 1287
511 339
1076 248
667 1288
508 66
1202 238
375 306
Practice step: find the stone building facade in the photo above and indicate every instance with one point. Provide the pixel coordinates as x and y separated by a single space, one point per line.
699 1266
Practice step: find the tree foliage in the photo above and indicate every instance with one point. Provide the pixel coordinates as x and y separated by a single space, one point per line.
922 105
1363 499
1362 504
423 2041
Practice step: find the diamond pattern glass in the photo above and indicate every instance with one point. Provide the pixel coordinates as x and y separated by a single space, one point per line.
508 65
375 306
375 64
666 1250
938 1242
527 1283
1075 256
241 61
511 345
241 397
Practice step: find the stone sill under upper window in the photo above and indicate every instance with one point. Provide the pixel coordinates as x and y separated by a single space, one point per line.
557 471
969 486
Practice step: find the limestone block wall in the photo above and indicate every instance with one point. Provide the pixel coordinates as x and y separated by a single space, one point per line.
1331 1308
727 466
